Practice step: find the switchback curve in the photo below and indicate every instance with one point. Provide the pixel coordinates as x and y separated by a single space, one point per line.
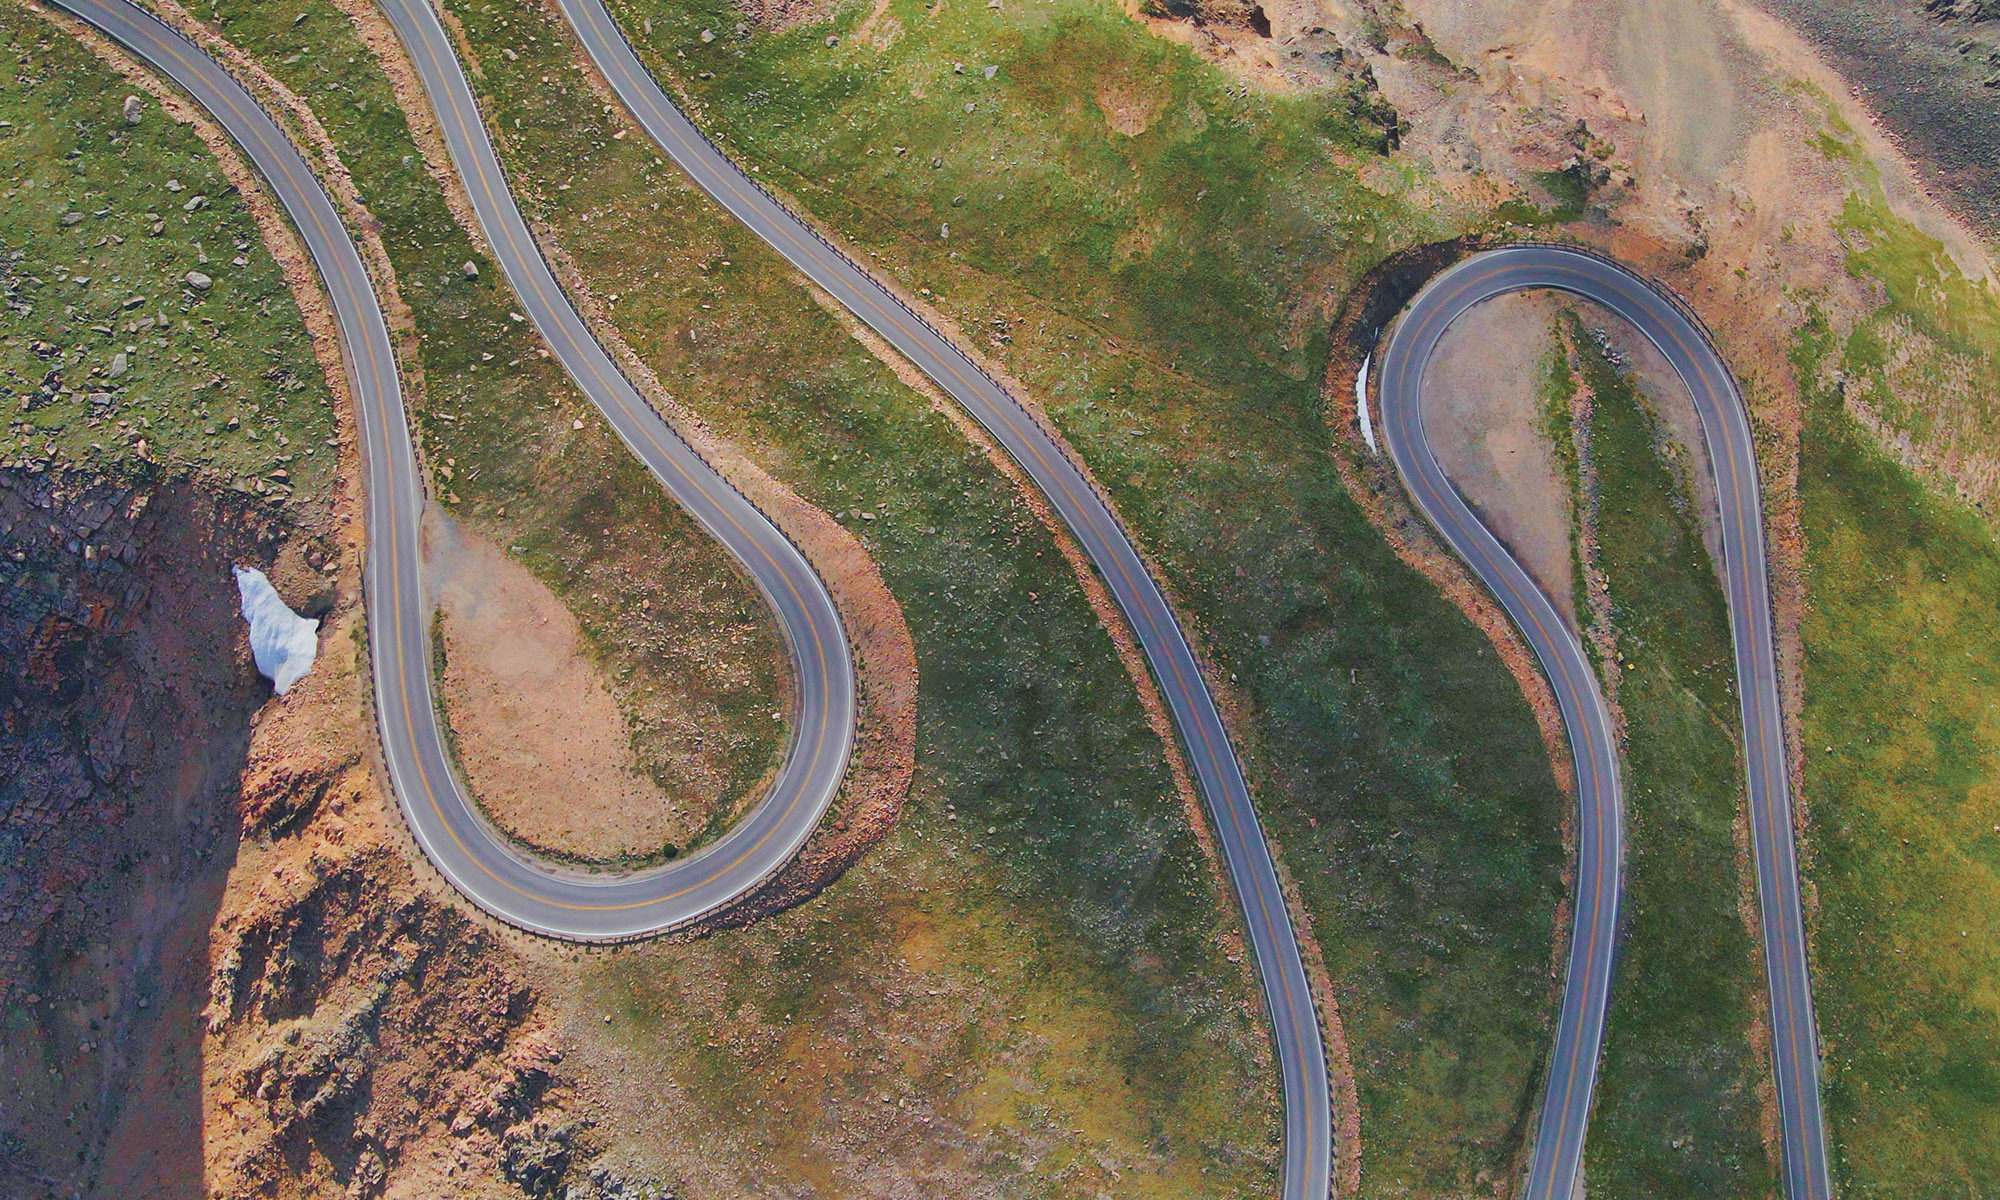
1685 343
1047 460
446 824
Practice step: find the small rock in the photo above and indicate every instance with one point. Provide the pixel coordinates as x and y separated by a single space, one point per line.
944 232
235 422
198 281
970 106
833 41
576 424
992 71
72 217
175 185
708 35
469 269
958 68
119 365
133 110
195 204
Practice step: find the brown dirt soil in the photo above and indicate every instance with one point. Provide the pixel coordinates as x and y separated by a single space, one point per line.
1717 187
1372 481
885 657
126 699
361 1032
537 732
1932 68
884 654
1482 414
348 1016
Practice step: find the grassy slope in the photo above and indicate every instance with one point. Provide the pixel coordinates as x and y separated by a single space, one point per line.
196 359
1677 1111
1393 757
1073 945
687 645
1064 844
1902 729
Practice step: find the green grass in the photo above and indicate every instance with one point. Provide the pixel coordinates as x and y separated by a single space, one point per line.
1903 747
220 382
1677 1110
1557 392
1902 690
684 641
1924 360
1041 814
1158 292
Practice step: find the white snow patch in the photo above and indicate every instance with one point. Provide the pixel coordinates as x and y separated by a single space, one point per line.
283 642
1361 402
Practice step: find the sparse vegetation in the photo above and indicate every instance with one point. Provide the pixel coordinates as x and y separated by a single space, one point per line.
146 327
1677 1110
1042 814
682 637
1169 323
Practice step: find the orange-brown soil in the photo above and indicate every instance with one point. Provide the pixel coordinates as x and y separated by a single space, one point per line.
537 732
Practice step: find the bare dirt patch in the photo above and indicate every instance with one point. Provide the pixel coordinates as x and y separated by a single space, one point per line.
1483 415
537 732
1130 108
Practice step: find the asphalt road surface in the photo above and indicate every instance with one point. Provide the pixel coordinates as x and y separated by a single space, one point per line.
1725 427
464 848
1294 1021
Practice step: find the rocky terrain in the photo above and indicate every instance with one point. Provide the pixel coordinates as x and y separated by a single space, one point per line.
223 967
1931 70
217 968
124 722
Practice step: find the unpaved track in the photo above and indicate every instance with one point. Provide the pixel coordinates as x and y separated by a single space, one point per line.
472 856
1294 1020
1726 428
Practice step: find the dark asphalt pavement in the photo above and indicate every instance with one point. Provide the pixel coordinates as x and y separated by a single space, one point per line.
476 860
1047 460
1725 427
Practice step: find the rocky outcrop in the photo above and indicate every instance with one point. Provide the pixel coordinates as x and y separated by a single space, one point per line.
122 729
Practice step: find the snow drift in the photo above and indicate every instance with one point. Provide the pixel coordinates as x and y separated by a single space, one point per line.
283 642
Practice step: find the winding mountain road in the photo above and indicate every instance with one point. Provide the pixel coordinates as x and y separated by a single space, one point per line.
528 894
478 861
1725 427
1294 1020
